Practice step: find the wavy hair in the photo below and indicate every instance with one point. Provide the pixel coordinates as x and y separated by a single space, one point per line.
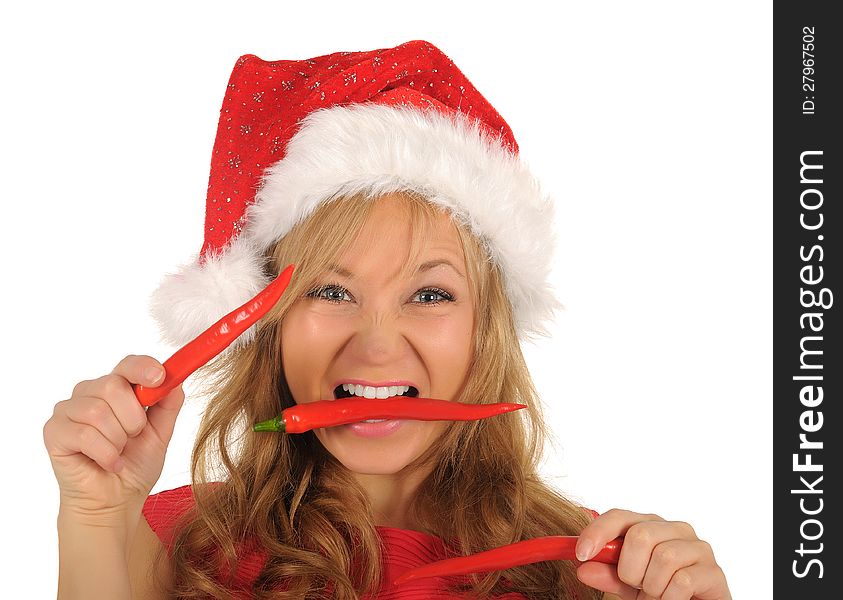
288 497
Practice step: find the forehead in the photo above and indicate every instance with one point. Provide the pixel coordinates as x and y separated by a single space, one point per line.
399 232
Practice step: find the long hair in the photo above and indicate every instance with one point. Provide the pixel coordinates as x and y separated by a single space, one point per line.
288 497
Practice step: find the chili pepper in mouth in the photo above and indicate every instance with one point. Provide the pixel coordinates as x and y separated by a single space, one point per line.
551 547
330 413
214 340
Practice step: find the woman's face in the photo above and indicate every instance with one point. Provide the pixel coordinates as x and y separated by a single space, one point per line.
365 325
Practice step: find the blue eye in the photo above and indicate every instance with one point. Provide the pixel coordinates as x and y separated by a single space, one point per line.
433 296
337 294
331 293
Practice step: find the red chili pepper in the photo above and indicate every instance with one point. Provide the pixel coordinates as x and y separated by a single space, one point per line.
552 547
214 340
329 413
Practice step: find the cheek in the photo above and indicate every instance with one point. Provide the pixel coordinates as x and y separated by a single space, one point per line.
308 345
448 348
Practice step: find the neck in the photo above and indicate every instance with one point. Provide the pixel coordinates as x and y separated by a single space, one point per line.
391 496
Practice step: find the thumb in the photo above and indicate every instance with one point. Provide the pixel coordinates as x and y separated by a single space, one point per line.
162 416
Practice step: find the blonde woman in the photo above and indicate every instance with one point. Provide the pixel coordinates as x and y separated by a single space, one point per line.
421 246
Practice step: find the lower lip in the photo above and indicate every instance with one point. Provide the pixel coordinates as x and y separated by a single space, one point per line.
375 430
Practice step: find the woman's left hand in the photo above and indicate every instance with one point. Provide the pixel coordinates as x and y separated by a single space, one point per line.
659 559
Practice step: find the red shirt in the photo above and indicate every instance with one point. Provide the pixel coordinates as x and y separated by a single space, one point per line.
403 549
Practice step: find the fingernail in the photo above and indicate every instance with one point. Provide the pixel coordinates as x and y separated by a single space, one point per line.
584 549
154 374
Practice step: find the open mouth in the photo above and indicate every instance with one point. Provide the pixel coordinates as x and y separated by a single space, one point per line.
345 391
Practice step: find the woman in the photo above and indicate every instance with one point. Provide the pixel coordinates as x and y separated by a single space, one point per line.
421 245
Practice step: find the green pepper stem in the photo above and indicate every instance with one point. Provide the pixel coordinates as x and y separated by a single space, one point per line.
274 424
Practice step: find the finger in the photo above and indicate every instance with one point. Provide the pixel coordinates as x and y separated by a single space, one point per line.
141 369
77 438
162 416
699 581
117 392
640 544
668 558
604 577
606 527
97 413
117 387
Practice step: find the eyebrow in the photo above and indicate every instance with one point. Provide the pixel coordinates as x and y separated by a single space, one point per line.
431 264
424 267
339 271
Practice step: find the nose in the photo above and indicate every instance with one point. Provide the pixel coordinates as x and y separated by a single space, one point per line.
378 340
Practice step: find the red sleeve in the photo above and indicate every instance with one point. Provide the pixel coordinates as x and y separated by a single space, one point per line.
163 510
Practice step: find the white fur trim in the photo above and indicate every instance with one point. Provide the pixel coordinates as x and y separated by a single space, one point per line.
199 294
375 149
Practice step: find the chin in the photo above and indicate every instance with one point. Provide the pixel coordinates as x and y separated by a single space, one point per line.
373 463
371 469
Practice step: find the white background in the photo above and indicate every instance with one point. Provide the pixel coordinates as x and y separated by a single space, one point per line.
649 122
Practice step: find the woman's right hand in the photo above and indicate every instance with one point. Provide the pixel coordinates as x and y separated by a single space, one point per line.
106 450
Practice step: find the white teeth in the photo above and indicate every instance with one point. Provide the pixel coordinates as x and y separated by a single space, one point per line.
375 392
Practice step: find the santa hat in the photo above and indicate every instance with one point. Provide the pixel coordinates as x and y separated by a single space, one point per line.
296 133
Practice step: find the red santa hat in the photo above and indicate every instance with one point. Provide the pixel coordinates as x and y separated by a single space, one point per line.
296 133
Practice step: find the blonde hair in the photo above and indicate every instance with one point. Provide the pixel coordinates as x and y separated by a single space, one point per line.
287 496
